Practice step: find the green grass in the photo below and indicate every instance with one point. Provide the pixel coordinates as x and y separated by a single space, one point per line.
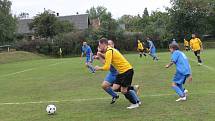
9 57
67 80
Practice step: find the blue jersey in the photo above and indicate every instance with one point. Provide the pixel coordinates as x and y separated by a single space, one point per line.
151 45
181 62
87 50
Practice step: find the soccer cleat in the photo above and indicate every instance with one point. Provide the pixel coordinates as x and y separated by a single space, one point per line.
114 99
132 106
137 89
186 92
199 64
139 102
181 99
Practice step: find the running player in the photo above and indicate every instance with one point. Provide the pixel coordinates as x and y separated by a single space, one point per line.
152 49
89 56
124 78
196 46
183 71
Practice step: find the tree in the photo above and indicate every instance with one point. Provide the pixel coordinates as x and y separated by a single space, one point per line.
47 25
189 16
7 22
96 12
108 25
211 17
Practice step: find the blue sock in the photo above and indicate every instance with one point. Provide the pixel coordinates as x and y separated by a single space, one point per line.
111 92
134 95
181 87
178 91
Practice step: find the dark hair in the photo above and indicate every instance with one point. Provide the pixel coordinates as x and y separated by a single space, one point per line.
103 41
174 46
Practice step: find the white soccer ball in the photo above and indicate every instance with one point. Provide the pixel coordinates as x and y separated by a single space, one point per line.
51 109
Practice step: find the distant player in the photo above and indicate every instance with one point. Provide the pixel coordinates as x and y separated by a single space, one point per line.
140 48
186 45
196 46
124 78
89 56
183 71
152 49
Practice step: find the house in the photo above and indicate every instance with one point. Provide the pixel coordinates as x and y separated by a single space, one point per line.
80 21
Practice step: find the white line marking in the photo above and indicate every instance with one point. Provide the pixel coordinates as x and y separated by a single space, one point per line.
208 67
90 99
30 69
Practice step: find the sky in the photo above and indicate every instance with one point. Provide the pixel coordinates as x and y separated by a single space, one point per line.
71 7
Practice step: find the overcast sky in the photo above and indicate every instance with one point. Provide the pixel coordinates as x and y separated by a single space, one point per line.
70 7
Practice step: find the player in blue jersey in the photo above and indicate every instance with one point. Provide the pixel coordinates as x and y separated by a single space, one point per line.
152 49
89 56
183 71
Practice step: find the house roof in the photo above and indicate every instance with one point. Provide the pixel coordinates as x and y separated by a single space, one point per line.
80 22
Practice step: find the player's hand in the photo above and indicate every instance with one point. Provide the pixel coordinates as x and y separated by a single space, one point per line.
97 68
201 49
190 79
167 66
95 57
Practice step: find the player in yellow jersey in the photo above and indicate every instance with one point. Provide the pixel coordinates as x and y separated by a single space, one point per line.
140 48
196 46
186 45
125 71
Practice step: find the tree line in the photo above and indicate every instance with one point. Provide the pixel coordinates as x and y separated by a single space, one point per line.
179 21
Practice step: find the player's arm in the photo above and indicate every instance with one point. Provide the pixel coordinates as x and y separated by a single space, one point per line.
190 78
106 66
82 52
170 64
101 57
200 43
91 55
174 59
191 44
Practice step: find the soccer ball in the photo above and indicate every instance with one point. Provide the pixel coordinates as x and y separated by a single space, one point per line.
51 109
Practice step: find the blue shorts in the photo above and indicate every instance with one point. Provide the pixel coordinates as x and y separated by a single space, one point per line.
180 78
110 78
88 59
153 51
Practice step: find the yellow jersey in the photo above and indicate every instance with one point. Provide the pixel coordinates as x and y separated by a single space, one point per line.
115 58
195 44
140 45
186 43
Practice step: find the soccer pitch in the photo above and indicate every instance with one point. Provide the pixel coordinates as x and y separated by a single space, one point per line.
27 87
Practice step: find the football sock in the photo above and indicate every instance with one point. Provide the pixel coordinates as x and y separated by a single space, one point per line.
178 91
111 92
130 98
134 95
181 87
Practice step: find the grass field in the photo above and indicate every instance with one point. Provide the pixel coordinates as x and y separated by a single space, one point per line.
26 87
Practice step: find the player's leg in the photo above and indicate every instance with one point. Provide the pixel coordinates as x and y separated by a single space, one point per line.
89 65
198 57
129 94
140 53
106 85
177 83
